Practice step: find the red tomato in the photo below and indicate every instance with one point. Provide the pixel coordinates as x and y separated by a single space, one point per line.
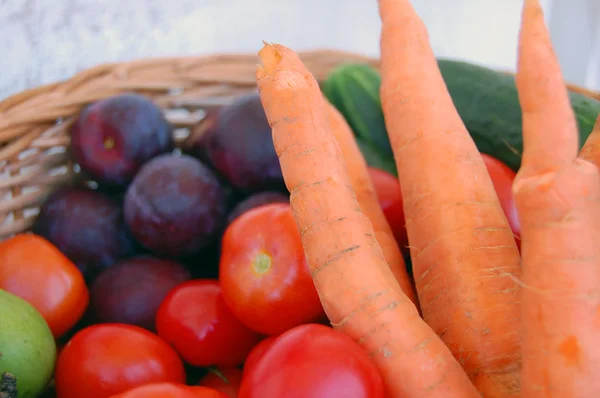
226 380
34 269
257 352
503 177
107 359
313 361
195 320
389 195
264 272
170 390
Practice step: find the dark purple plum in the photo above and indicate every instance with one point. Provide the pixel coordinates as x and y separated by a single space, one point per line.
132 290
112 138
258 199
237 142
87 226
175 206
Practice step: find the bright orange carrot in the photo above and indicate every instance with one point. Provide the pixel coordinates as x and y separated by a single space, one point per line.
463 251
367 199
591 148
357 288
558 200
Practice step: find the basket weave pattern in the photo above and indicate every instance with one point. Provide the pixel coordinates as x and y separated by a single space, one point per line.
34 124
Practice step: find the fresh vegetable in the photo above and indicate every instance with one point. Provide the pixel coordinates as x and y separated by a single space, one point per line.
485 99
313 361
263 271
225 380
107 359
132 290
175 205
389 194
257 352
355 284
258 199
195 320
113 137
27 348
236 141
557 197
170 390
354 90
503 178
87 226
35 270
366 195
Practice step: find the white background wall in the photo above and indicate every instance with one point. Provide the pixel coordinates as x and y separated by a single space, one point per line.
42 41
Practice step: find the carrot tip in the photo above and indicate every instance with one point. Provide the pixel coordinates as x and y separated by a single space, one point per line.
270 57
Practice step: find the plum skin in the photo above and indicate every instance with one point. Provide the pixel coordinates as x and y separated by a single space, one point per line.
87 226
258 199
132 290
175 206
236 140
112 138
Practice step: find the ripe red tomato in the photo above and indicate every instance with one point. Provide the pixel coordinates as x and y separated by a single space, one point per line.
503 177
195 320
107 359
264 272
170 390
34 269
226 380
389 195
257 352
313 361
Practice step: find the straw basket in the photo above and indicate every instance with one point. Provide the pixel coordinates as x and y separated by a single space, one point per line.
34 124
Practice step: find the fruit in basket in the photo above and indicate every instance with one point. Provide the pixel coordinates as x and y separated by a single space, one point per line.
170 390
107 359
264 273
225 380
258 199
313 361
195 320
35 270
113 137
237 142
27 347
175 206
485 99
87 226
131 290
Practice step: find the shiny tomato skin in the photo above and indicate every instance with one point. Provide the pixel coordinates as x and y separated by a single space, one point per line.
389 194
107 359
34 269
257 353
503 177
264 272
195 320
170 390
313 360
228 381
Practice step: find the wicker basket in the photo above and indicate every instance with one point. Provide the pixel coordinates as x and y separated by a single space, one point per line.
34 125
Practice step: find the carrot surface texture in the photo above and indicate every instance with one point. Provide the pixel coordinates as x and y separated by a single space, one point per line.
494 324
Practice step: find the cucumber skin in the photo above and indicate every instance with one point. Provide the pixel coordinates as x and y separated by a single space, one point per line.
486 100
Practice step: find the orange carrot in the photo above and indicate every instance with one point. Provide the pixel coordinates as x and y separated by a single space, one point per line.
355 284
464 254
558 199
591 148
367 199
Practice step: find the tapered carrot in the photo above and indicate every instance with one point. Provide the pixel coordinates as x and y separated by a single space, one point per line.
357 288
367 199
591 148
463 251
558 200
